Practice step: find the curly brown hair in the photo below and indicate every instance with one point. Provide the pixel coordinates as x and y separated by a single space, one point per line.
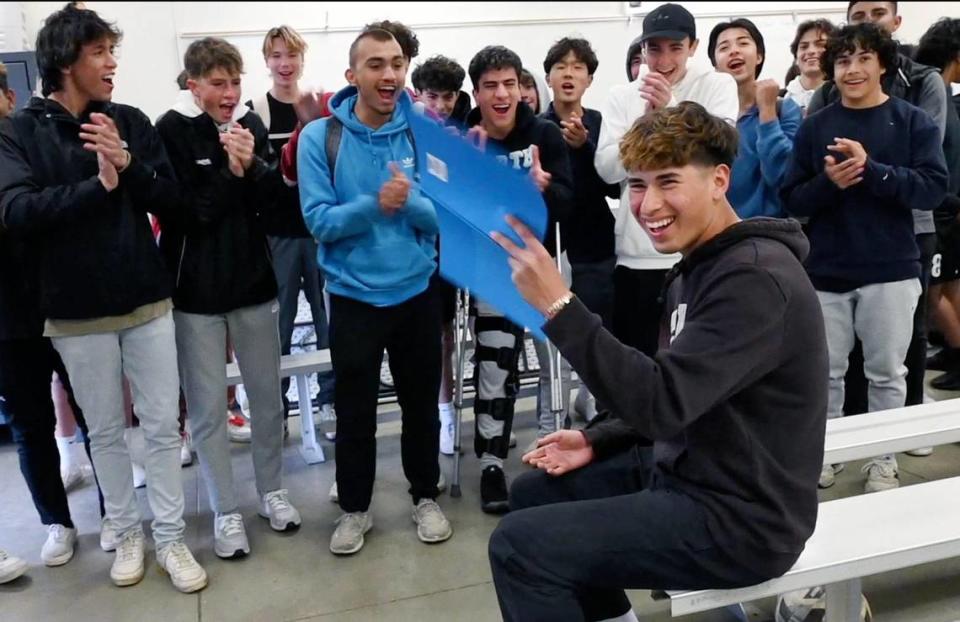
678 136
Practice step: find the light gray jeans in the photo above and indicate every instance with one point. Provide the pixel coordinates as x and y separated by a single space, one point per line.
256 341
147 356
881 315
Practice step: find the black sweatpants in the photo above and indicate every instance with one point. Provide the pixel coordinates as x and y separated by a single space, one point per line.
572 544
26 367
410 333
637 309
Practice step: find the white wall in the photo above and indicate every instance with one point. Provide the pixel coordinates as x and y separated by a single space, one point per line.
157 33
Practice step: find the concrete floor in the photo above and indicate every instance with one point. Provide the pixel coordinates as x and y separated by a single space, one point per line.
395 577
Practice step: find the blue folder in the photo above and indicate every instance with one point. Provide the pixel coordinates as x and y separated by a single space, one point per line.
473 192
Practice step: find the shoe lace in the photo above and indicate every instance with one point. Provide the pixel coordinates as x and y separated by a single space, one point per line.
3 555
58 532
129 547
884 469
182 557
428 508
232 524
278 500
351 520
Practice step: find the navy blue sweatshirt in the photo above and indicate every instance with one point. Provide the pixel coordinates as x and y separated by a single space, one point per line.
589 234
864 234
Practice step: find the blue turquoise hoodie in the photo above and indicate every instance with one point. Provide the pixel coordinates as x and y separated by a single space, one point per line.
366 255
763 159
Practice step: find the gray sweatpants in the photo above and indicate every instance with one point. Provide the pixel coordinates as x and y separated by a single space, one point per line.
881 315
200 339
147 356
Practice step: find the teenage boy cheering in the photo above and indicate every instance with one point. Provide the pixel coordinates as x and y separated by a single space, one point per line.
293 249
78 175
766 124
670 41
806 48
859 167
377 237
214 244
734 403
535 147
570 65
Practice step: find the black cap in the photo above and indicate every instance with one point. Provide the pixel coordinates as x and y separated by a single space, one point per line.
669 21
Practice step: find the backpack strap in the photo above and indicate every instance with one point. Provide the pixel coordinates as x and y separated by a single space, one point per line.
332 145
261 106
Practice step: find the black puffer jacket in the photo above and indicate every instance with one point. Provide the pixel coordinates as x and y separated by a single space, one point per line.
94 251
212 236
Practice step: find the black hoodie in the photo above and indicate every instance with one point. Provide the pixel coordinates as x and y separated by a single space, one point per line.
588 236
635 46
212 233
95 250
528 131
736 398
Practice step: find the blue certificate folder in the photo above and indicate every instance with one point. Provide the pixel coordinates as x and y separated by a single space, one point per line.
473 192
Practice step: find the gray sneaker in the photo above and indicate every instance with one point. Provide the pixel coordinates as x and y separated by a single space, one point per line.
276 506
347 538
230 536
432 525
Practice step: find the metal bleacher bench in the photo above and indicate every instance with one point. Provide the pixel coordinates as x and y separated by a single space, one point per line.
299 366
867 534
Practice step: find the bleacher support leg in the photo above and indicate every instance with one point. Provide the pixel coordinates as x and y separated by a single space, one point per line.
843 601
309 447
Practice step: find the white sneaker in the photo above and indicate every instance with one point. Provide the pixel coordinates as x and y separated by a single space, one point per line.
432 525
328 421
185 573
73 478
238 428
127 566
441 483
348 538
10 567
109 540
513 441
880 476
447 431
920 452
139 475
828 474
276 506
186 455
60 544
230 536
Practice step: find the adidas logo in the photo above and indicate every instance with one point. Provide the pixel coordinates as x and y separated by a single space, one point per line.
408 163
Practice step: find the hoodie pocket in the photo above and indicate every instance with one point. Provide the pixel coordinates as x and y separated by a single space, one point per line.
378 267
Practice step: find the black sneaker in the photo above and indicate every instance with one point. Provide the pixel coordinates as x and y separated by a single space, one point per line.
942 360
493 491
949 381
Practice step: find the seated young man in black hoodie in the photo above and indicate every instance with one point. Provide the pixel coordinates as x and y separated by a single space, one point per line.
859 167
734 401
215 246
525 143
78 174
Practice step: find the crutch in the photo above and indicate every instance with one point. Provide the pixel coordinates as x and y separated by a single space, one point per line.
461 328
556 375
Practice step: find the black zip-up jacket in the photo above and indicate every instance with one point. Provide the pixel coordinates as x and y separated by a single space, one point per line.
95 250
736 399
212 237
589 232
528 131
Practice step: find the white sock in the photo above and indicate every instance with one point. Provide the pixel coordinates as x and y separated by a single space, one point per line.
66 456
627 617
445 408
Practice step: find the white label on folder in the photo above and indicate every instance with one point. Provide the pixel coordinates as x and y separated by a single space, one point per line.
437 168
